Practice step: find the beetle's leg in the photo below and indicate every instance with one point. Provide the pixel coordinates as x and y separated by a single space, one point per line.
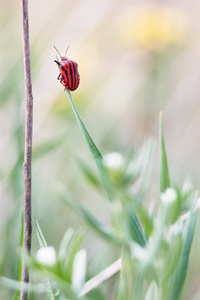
59 76
63 83
62 80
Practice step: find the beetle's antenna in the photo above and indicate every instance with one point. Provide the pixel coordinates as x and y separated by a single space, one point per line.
66 50
57 51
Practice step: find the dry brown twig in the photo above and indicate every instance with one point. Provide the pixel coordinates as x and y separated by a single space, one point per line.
28 144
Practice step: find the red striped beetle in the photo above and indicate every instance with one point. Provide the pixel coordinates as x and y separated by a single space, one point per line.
69 75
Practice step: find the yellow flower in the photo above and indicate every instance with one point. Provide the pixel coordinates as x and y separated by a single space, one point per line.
154 27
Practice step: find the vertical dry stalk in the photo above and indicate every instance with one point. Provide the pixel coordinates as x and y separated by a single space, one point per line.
28 143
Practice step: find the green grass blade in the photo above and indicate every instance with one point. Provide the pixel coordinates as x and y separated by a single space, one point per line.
172 258
17 293
98 159
70 245
178 278
163 167
92 146
40 236
64 245
136 231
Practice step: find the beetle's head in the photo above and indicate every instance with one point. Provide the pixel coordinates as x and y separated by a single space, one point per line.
63 58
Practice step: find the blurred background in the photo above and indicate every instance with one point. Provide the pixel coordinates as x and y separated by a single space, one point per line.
135 58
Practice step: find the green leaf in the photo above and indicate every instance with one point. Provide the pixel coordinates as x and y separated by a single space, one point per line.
136 231
93 148
17 293
146 220
79 270
163 168
178 277
40 236
73 249
172 258
64 246
98 160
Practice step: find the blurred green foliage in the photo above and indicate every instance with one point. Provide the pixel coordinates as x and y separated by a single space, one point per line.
130 69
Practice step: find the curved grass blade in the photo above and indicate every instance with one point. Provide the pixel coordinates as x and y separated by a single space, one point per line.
163 166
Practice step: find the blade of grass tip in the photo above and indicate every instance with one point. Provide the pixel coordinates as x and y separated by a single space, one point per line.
136 231
163 166
98 160
43 244
17 293
178 278
40 236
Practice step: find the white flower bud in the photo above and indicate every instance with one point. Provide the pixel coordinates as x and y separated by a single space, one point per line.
79 270
114 160
46 256
169 196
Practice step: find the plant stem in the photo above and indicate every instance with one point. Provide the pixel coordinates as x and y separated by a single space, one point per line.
28 145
